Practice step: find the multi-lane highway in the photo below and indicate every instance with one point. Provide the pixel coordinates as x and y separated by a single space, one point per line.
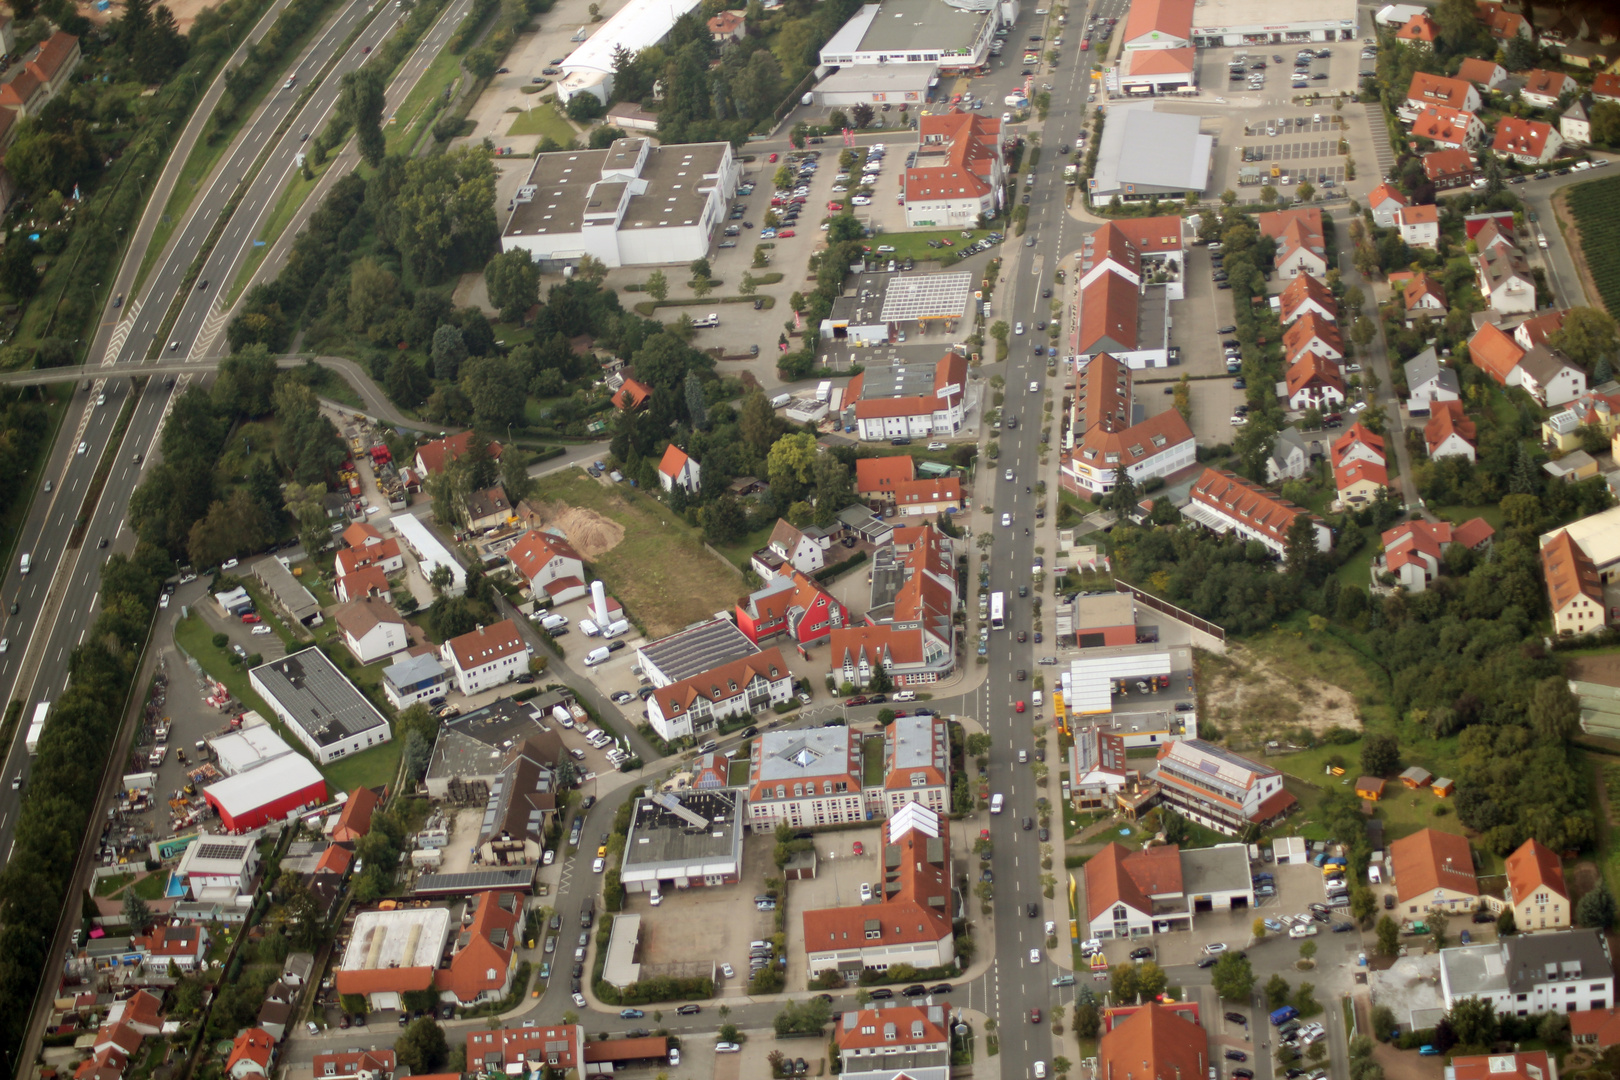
56 602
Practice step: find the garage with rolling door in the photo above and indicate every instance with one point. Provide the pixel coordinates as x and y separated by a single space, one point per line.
1217 878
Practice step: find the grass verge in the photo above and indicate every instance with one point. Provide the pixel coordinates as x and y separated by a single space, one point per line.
544 120
369 768
915 245
421 105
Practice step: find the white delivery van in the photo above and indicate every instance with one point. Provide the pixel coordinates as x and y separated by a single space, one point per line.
553 622
781 401
1035 698
995 803
615 628
25 563
596 656
903 695
712 319
589 628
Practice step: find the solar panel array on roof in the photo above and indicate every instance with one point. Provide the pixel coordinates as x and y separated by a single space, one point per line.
517 877
697 649
220 851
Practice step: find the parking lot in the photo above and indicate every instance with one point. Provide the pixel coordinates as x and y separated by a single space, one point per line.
840 873
1198 315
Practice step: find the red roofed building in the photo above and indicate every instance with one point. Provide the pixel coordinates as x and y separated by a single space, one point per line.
550 565
728 26
432 457
1128 891
1419 30
1420 225
355 1065
487 657
1312 334
806 776
1424 298
1574 587
1606 87
386 556
898 400
1226 502
56 61
631 395
142 1012
928 496
1105 441
1357 444
1109 308
25 92
1154 1043
251 1054
916 765
1427 89
1448 432
677 467
1536 890
790 604
1359 482
1314 382
1598 1028
910 922
958 175
910 654
1220 789
185 946
1485 74
1448 128
1529 142
1384 201
481 964
1450 168
1524 1065
886 1042
1413 552
1495 353
878 478
336 860
1306 296
514 1050
354 820
1433 869
1494 229
1300 247
105 1063
697 705
1503 24
1543 88
1160 70
1538 328
1158 24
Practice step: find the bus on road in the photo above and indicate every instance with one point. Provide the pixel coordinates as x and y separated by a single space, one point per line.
998 611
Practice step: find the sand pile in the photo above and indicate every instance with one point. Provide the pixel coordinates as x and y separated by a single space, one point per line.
589 532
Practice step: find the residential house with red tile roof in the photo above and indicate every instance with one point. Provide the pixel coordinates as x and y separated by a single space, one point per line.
1505 280
877 478
1522 1065
481 962
1575 591
910 920
362 534
1156 1042
1158 24
1306 295
1226 502
631 395
1128 891
354 820
1384 200
1109 315
728 27
433 457
1427 89
1105 440
697 705
526 1049
335 860
806 776
1529 142
1536 890
1300 247
1539 327
487 657
911 654
1597 1029
790 604
1503 24
1448 432
1420 29
354 1065
385 556
252 1052
1490 230
958 175
1424 298
56 61
1475 534
1420 225
1359 482
928 496
1413 552
677 467
1606 86
1433 869
550 565
1543 88
184 946
1358 443
916 765
1485 74
1219 789
877 1043
1450 168
26 93
1312 333
1448 128
1314 382
909 400
142 1012
371 629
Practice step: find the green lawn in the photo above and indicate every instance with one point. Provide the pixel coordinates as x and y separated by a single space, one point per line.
402 128
369 768
915 244
872 760
152 886
543 120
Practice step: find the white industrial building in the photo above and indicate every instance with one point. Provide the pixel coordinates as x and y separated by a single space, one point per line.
634 27
930 33
1144 153
632 204
901 84
878 308
319 705
430 553
1272 22
684 840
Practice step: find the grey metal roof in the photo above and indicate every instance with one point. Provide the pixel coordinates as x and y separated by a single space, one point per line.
910 742
483 743
795 755
410 670
318 697
1223 868
1151 152
512 877
697 649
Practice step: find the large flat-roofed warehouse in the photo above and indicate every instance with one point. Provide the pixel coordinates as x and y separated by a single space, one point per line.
393 952
640 23
903 84
632 204
1144 153
880 307
917 32
1272 22
683 840
320 705
693 651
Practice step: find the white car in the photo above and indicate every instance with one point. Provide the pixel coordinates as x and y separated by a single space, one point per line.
866 892
1090 946
228 564
1034 956
598 864
937 446
5 644
727 1048
83 447
1018 328
579 1001
1214 948
885 249
261 629
839 189
725 969
674 1055
862 200
1007 476
1358 406
549 857
1006 520
1038 1070
1034 387
1333 883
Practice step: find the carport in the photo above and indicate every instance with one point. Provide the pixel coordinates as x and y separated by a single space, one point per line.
1289 849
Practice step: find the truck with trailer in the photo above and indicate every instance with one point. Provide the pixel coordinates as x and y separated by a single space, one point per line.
37 728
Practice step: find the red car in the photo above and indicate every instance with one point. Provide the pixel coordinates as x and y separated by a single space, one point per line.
858 699
250 617
1018 706
860 848
1034 1016
773 157
947 241
785 233
835 206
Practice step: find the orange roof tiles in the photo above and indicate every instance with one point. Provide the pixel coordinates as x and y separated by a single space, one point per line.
355 819
1606 86
484 948
1534 867
56 51
1309 328
1494 352
1429 860
1569 572
1385 193
865 1030
1153 1043
1445 164
1419 27
1357 433
1420 286
1473 532
1158 18
1305 288
1242 500
971 144
1523 1065
1159 61
1600 1027
536 548
1293 229
881 475
673 461
1108 311
1439 90
1478 71
1445 420
928 490
1313 370
1360 472
486 644
1443 124
722 683
1538 328
1106 447
1524 137
20 90
632 395
251 1049
1545 83
1152 235
1422 214
437 454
